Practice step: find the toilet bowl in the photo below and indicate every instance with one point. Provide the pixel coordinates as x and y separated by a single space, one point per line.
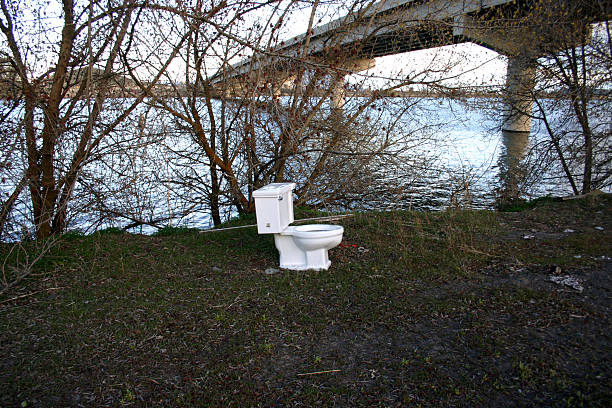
305 247
300 247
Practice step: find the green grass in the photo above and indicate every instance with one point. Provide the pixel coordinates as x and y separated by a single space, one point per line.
523 205
431 309
169 230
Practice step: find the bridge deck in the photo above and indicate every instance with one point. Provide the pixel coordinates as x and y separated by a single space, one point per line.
383 28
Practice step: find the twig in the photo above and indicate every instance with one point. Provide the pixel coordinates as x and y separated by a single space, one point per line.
28 265
147 339
228 306
30 294
228 228
477 252
328 218
319 372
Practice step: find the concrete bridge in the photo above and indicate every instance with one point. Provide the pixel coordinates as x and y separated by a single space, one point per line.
350 44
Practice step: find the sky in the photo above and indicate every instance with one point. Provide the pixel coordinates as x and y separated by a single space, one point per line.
470 64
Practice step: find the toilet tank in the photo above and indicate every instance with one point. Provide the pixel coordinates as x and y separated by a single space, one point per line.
274 207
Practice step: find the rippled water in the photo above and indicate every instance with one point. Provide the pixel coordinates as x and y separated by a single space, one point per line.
465 151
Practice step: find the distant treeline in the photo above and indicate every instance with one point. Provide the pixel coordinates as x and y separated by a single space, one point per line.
124 87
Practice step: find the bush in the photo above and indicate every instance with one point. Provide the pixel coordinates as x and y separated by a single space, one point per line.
521 205
170 230
112 231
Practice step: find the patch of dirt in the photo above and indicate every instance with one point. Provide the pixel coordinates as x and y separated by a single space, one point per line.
556 220
350 252
495 351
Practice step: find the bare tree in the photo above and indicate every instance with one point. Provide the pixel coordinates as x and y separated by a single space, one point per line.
58 118
571 56
127 103
572 98
293 116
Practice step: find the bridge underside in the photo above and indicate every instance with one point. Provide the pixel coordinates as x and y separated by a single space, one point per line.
398 41
351 44
402 26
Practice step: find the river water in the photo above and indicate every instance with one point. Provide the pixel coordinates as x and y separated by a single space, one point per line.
464 151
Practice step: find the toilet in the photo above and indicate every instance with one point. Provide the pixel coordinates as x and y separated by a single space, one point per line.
300 247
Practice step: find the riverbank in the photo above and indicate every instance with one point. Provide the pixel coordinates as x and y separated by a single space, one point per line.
455 308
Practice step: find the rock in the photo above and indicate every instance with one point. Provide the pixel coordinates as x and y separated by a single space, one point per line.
216 269
567 280
271 271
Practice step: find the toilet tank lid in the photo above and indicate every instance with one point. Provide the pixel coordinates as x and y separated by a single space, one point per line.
273 190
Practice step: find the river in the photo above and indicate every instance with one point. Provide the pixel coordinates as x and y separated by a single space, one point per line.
464 151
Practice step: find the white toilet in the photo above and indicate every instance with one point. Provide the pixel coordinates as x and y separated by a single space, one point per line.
300 247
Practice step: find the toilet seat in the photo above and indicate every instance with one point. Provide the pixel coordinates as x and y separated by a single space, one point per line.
313 231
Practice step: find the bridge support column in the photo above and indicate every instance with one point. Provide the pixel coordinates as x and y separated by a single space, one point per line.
517 45
337 95
516 125
520 80
511 171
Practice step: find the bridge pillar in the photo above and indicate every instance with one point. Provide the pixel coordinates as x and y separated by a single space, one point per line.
337 95
516 125
511 171
520 80
516 43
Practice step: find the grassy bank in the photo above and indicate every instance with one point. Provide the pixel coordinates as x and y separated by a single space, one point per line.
433 309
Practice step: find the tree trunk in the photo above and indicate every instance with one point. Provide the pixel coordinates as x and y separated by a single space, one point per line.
82 151
7 206
588 162
33 171
214 195
50 132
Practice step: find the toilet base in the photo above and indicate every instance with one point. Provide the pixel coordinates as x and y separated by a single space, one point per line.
296 259
304 267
